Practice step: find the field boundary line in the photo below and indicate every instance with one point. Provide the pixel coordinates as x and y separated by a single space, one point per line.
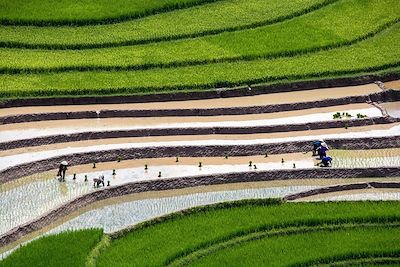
95 252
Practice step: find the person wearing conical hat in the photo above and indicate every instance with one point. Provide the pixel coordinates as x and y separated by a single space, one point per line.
322 151
62 170
316 145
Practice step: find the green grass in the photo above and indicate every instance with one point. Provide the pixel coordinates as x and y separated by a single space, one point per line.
293 250
83 12
349 21
374 54
240 233
64 249
164 242
206 19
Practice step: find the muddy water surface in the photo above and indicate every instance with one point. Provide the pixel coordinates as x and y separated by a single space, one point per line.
393 85
259 100
19 131
392 108
306 135
358 195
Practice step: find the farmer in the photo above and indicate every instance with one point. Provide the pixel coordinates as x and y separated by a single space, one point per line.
316 145
61 170
322 150
326 162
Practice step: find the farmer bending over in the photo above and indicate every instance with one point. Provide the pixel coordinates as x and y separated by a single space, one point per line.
61 170
322 150
316 145
326 162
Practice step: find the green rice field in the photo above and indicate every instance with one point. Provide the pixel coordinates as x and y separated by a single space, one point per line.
197 50
245 233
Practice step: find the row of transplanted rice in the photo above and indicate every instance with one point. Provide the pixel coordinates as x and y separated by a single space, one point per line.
379 53
339 24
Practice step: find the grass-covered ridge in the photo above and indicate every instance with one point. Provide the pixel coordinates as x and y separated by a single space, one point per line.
311 32
374 54
64 249
85 12
207 19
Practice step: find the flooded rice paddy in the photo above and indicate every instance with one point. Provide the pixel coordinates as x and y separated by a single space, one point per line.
12 160
359 195
242 101
47 128
392 108
26 199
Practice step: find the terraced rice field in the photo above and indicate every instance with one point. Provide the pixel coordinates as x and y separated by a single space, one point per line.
200 115
192 51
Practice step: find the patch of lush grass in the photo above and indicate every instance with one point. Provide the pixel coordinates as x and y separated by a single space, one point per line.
362 259
348 21
64 249
83 12
374 54
206 19
159 243
293 250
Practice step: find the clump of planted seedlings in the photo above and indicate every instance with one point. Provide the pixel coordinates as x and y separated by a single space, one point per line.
294 165
250 163
282 161
177 159
146 167
74 177
226 156
119 158
94 165
200 164
342 115
113 172
159 174
86 178
255 166
361 116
